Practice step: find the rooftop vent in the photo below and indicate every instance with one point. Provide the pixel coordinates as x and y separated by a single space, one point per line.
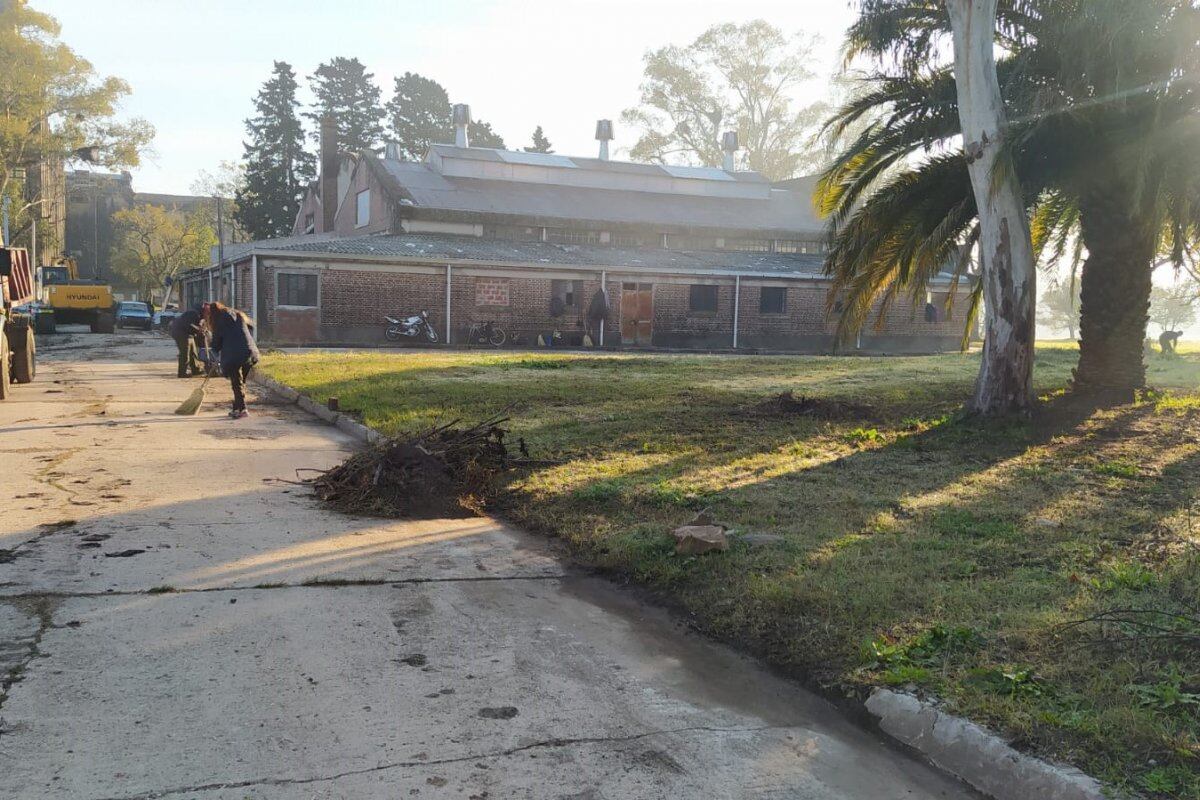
729 145
461 116
604 135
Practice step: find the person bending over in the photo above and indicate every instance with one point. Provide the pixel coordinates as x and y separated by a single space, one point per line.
184 330
233 338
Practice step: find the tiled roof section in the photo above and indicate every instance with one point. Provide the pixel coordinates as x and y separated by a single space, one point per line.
782 213
237 250
468 248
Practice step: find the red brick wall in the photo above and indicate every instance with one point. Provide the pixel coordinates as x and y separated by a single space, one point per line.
353 303
380 219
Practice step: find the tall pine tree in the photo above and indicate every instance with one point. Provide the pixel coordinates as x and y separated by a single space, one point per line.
347 92
277 168
419 114
540 143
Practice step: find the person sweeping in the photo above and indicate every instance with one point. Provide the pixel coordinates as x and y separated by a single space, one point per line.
184 330
233 338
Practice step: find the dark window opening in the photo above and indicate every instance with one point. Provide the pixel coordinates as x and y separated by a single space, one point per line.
702 298
572 236
773 300
569 292
296 289
749 245
513 233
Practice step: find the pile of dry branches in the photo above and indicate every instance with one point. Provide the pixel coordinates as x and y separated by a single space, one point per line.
443 471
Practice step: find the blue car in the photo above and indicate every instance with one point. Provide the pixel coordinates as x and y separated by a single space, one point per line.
134 315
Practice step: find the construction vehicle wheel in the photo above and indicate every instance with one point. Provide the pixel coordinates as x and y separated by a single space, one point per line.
44 322
24 353
4 367
108 322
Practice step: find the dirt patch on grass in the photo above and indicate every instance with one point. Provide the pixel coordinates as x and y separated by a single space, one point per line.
790 404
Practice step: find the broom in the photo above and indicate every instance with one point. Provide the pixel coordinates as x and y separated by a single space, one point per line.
192 405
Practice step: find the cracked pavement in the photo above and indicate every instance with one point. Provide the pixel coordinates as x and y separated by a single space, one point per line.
179 621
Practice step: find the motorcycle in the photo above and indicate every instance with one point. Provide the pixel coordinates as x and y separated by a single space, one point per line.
414 327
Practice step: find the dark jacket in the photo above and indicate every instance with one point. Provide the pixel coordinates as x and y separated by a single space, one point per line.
185 325
232 338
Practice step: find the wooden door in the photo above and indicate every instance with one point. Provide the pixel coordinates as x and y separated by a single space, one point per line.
637 313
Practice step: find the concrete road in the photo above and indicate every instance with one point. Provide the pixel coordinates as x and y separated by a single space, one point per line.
176 622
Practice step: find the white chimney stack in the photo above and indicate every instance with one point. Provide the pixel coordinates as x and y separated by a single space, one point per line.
604 134
729 145
462 118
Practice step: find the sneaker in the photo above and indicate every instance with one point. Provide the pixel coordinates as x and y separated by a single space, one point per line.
238 413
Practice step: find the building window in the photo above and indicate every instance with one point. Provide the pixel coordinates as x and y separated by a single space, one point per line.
749 245
702 299
635 239
568 292
572 236
491 292
773 300
691 242
297 289
798 246
362 208
513 233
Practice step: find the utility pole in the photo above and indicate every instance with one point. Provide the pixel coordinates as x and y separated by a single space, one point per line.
221 248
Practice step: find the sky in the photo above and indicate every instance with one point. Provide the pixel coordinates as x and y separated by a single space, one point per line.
195 67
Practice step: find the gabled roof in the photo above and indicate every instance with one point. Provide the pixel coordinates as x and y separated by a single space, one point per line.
781 213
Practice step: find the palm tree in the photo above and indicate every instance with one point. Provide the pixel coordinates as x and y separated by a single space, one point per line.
1102 100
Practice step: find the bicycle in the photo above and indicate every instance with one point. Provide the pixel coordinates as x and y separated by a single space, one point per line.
487 333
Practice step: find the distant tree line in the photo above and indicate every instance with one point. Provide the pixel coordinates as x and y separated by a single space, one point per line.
278 164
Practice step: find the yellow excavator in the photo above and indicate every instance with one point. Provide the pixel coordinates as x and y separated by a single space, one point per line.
74 299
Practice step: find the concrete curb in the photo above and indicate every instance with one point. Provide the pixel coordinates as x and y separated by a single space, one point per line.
973 754
956 745
343 422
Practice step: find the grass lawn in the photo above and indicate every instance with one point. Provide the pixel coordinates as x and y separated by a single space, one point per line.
898 544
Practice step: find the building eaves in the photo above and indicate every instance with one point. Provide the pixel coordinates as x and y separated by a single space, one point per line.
441 248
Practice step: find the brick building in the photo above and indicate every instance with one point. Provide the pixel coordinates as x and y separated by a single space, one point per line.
687 257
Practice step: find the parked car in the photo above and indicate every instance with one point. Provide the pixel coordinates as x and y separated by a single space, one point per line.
134 315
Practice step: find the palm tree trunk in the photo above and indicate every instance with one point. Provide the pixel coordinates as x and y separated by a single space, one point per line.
1114 296
1005 381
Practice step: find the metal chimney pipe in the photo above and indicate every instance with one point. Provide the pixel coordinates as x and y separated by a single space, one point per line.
604 135
461 116
729 145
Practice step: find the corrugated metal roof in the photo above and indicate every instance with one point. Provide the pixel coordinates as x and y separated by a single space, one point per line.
784 213
468 248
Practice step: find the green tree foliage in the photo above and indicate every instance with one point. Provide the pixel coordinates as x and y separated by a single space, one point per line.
419 114
1101 138
540 143
1174 308
346 91
733 77
480 134
277 167
54 107
153 244
1058 308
